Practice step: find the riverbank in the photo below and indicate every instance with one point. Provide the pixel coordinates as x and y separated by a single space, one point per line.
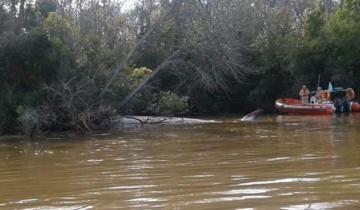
119 123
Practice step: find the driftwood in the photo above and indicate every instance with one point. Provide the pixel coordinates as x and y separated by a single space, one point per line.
139 121
147 120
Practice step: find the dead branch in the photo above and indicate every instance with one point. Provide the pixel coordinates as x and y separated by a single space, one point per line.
147 120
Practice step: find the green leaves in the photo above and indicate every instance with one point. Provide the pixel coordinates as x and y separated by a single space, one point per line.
343 32
169 103
45 7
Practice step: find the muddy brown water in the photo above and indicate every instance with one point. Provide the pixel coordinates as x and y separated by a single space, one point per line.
277 162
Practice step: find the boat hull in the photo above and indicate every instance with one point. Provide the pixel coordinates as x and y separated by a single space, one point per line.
294 106
355 107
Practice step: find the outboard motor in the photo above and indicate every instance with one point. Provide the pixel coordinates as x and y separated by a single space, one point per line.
346 106
339 108
342 105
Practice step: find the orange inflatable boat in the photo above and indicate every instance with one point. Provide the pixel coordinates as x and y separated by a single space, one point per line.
294 106
355 107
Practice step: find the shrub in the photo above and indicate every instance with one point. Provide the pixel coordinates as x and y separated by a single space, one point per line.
169 103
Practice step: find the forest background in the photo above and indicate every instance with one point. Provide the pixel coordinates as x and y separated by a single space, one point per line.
74 64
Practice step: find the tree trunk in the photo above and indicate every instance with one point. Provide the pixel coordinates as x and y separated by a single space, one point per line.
177 22
132 52
13 7
21 15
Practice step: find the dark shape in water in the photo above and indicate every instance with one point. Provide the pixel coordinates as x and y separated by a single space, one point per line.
252 116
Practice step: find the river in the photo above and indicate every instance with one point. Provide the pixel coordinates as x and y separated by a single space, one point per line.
276 162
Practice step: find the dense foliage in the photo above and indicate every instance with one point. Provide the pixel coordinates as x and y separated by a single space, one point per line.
74 64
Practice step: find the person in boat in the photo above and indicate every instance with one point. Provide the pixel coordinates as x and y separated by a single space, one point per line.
319 95
304 95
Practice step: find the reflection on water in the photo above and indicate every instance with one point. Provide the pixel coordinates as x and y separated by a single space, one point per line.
277 162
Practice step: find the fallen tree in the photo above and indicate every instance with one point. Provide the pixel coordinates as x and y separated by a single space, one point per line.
138 121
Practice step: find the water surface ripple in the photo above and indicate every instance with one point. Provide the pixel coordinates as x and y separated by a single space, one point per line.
278 162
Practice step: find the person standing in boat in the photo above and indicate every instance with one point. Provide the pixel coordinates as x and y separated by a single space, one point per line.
319 95
304 95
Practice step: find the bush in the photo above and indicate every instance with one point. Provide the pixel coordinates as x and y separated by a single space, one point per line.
168 103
